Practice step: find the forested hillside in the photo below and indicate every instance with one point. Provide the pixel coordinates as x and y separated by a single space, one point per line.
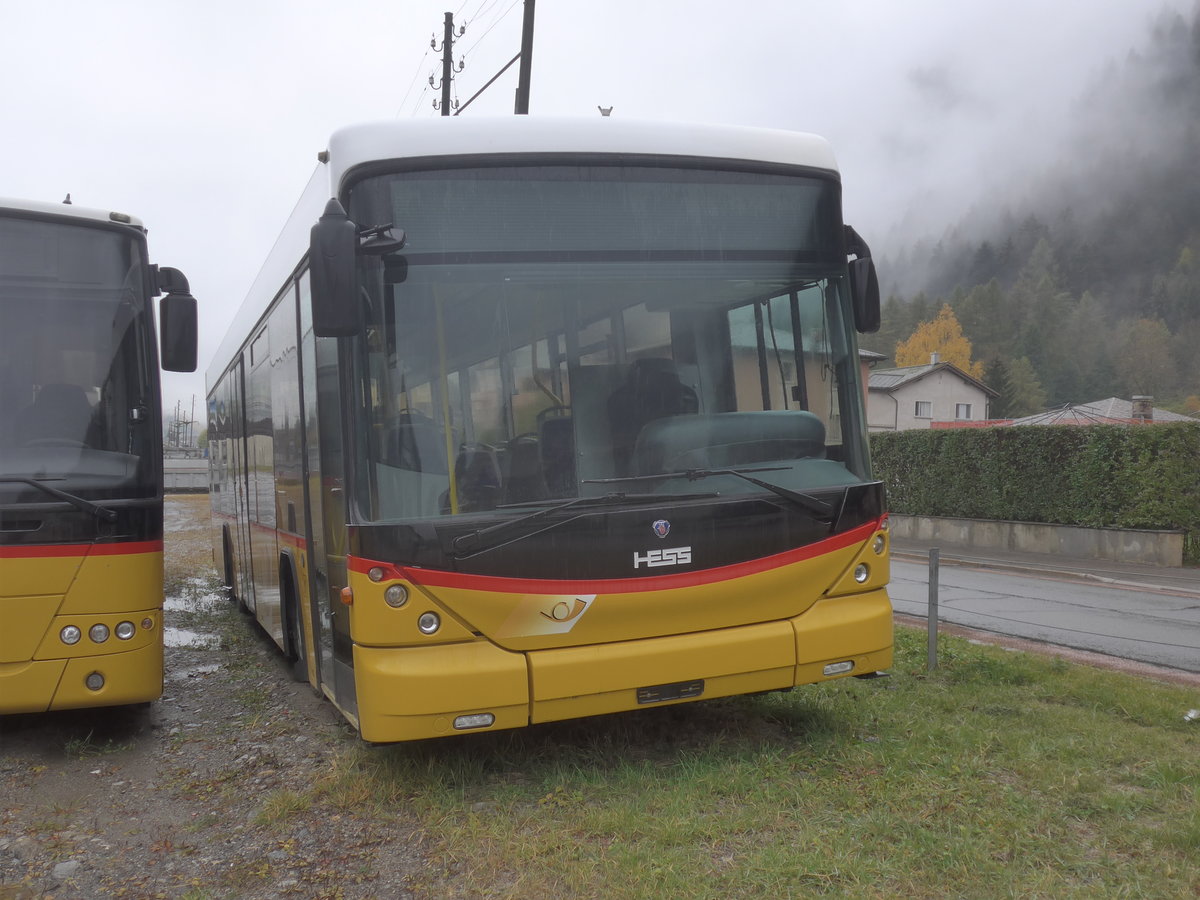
1083 283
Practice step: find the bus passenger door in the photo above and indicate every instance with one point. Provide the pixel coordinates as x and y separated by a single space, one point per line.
241 488
320 590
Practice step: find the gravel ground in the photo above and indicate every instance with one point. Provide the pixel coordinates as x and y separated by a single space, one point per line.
206 793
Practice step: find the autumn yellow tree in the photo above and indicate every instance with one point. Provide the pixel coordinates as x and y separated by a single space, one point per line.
943 336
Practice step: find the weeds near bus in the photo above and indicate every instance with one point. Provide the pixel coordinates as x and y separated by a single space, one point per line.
1000 774
88 746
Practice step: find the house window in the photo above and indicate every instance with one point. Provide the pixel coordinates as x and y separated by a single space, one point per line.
962 410
924 409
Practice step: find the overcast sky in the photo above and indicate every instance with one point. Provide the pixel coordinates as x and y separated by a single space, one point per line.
205 119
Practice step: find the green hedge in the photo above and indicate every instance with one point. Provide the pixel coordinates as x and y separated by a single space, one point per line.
1110 476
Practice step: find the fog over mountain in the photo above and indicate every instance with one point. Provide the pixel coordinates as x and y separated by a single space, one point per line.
1085 267
1117 170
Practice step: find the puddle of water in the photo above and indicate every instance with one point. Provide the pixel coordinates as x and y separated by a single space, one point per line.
182 637
205 602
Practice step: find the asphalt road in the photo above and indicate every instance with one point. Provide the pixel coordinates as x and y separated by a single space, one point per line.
1149 619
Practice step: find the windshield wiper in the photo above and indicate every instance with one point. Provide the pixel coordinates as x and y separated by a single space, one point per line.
100 512
465 543
822 511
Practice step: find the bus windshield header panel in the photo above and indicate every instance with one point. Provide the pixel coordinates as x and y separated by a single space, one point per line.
74 361
552 332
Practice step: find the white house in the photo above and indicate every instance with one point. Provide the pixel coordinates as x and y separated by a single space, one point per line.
918 396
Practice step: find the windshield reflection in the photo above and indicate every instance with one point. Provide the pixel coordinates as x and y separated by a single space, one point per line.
73 355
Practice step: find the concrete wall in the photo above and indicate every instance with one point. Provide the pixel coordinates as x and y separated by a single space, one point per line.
184 475
1151 548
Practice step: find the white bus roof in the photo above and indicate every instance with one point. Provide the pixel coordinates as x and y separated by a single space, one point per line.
68 211
451 136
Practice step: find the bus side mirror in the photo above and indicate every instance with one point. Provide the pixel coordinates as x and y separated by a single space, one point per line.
864 284
333 246
177 322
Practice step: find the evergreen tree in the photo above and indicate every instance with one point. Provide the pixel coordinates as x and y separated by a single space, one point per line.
1022 390
1144 360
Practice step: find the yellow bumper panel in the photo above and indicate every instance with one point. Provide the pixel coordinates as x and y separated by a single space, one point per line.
417 692
132 677
409 693
28 687
857 628
586 681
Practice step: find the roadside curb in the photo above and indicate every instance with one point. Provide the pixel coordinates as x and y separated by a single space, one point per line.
1049 571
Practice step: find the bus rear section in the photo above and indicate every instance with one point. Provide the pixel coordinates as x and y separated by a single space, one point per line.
81 549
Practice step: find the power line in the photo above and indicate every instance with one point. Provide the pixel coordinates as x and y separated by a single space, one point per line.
416 75
500 19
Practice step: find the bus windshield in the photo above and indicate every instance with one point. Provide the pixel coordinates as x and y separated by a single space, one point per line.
559 331
73 361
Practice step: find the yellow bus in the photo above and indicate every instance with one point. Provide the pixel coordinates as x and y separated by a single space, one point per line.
81 519
531 419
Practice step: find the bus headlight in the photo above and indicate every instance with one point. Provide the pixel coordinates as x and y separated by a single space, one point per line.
98 633
862 572
396 596
125 630
70 635
879 545
429 622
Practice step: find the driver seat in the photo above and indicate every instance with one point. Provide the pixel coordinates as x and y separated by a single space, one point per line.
60 412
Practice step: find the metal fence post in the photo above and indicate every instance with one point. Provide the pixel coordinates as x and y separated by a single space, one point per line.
931 663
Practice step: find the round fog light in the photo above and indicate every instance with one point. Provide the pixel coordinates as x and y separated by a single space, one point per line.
429 623
396 596
125 631
98 633
70 635
94 682
862 572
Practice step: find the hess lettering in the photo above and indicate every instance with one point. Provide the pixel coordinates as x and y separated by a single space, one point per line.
668 556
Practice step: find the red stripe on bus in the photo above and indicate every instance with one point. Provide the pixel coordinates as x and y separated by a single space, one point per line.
49 551
439 578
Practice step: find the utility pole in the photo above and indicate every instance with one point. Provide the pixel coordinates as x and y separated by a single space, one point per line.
523 77
448 68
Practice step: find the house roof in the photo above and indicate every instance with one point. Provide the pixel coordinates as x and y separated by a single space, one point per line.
888 380
1113 411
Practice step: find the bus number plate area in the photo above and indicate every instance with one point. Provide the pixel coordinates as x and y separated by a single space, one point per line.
680 690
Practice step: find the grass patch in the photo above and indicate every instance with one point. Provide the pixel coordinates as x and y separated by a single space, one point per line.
280 806
90 746
1000 774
